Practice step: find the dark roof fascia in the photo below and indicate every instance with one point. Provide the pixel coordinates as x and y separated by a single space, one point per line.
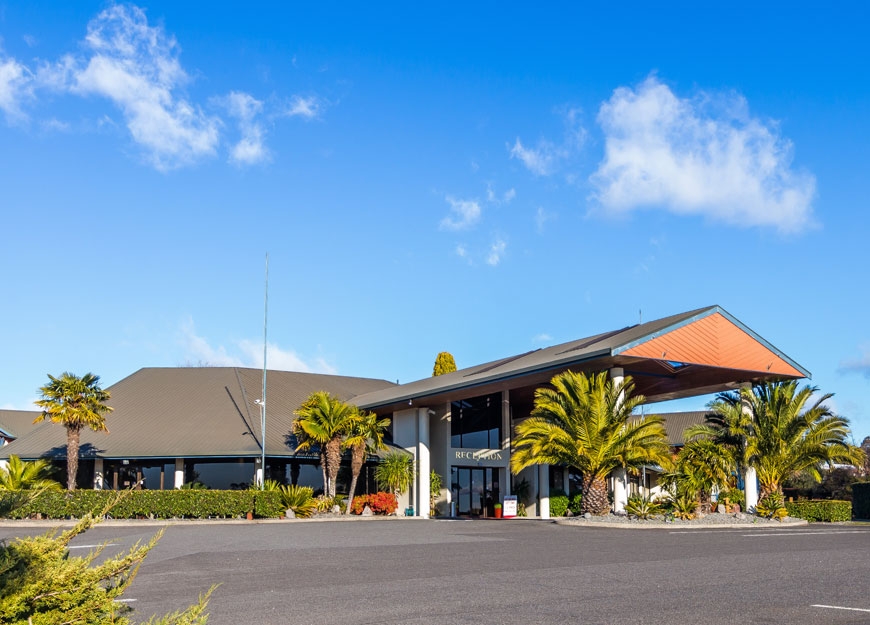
551 365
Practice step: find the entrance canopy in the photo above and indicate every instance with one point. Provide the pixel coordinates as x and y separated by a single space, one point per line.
698 352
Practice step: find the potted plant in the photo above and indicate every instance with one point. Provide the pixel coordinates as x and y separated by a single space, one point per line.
498 510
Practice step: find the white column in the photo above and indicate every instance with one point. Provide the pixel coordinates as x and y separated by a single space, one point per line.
620 478
423 464
750 479
258 473
98 474
505 474
179 472
544 491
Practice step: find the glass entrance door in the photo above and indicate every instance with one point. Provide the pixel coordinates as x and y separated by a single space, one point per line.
475 491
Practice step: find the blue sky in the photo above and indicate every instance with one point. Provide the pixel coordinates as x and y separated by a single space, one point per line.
483 180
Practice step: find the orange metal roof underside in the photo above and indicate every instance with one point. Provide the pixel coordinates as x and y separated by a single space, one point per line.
714 341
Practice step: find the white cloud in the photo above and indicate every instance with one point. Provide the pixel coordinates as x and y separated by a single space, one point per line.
246 109
136 66
464 214
461 250
197 349
493 197
703 156
15 86
496 252
306 107
542 338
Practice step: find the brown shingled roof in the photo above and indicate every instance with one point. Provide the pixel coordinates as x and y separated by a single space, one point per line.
195 412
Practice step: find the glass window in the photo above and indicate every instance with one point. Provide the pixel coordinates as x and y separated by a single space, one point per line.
476 423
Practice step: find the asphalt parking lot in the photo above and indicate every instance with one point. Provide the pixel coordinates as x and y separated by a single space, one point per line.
448 572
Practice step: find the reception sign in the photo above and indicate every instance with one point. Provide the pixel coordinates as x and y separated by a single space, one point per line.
509 508
479 457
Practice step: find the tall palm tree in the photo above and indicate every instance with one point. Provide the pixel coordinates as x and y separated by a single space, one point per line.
787 432
76 403
585 421
20 475
324 420
366 435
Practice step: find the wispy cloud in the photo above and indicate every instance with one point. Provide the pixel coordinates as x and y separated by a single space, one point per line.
15 87
703 155
246 353
246 109
859 365
305 107
546 156
463 214
494 198
496 252
542 216
542 338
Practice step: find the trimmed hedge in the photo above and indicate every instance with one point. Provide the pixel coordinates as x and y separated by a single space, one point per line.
158 504
820 510
861 500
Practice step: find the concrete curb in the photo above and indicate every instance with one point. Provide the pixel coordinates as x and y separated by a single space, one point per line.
52 523
661 525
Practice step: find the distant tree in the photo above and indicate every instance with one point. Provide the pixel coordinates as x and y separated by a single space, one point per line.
444 363
76 403
366 435
864 470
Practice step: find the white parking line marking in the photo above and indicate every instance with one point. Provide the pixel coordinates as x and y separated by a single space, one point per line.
90 546
839 607
825 533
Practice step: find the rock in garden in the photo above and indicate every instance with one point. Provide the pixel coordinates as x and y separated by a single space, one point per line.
289 514
367 511
587 515
740 516
568 513
721 508
336 509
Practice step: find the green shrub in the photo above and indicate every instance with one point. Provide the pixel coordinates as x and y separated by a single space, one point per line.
772 507
576 504
558 502
829 510
299 499
159 504
861 500
642 507
734 495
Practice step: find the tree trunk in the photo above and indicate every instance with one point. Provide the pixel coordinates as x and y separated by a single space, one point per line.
594 496
357 458
72 457
323 470
333 460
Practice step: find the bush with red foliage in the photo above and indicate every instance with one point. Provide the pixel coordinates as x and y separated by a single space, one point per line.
380 503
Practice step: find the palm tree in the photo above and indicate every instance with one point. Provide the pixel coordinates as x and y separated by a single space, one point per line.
701 465
787 432
585 421
76 403
366 435
396 473
20 475
324 420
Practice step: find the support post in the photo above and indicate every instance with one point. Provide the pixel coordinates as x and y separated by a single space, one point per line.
98 474
544 491
750 479
179 472
620 477
423 463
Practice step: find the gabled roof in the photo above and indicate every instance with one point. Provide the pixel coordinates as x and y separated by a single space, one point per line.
195 412
17 423
696 341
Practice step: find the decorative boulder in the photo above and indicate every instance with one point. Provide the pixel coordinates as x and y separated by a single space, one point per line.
367 511
289 514
721 508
